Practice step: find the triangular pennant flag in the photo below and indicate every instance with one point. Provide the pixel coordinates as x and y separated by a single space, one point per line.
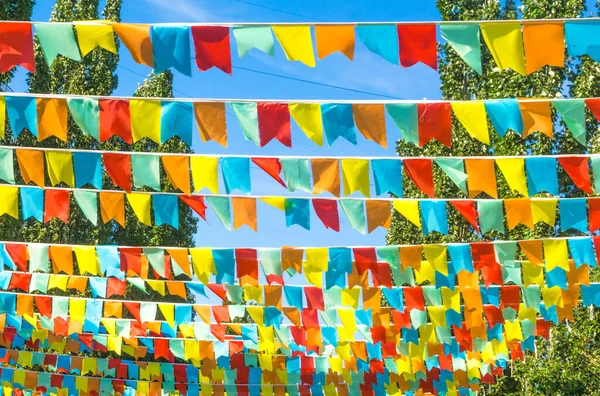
247 115
464 39
86 114
222 208
455 170
406 118
296 42
467 209
572 112
505 42
578 170
420 172
271 166
90 36
409 209
355 212
513 170
196 203
472 116
417 44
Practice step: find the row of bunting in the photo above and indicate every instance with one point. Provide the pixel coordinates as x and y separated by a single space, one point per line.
261 122
484 215
528 176
519 45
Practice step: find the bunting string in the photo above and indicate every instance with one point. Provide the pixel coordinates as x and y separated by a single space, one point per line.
133 119
473 176
511 43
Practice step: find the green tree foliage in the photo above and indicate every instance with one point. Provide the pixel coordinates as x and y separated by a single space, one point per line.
14 10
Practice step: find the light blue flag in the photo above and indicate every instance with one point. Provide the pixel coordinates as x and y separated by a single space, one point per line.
197 288
464 39
224 264
88 169
354 210
505 114
221 206
146 171
394 297
583 38
7 165
171 48
460 258
259 37
556 277
110 264
297 211
388 176
176 119
22 114
338 121
433 216
166 209
340 259
183 314
296 174
236 174
573 214
591 294
582 251
541 175
86 114
491 215
406 118
32 203
98 287
247 115
381 40
88 203
293 296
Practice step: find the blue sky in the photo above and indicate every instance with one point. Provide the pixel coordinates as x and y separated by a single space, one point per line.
369 73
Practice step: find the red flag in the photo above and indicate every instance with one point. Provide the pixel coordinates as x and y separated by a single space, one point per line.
86 339
483 255
57 205
510 296
118 167
435 122
594 106
271 166
578 170
131 260
134 310
365 258
310 319
493 315
327 211
314 298
247 266
274 123
417 44
382 275
219 290
196 203
16 46
594 215
44 305
413 298
115 286
299 335
221 313
492 275
421 173
212 47
467 210
18 254
218 331
161 350
115 119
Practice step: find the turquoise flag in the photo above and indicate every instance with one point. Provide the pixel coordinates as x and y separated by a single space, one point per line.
57 39
32 203
491 215
541 175
596 169
464 39
297 211
166 209
38 258
505 114
88 203
296 174
572 112
455 170
573 214
86 114
171 48
354 210
583 38
338 121
433 216
88 169
22 114
221 206
381 40
176 119
146 171
247 116
156 258
7 170
406 118
259 37
388 176
39 282
236 174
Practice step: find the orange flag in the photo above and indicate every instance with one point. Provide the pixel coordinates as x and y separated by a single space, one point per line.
137 40
62 259
518 211
210 118
533 251
178 170
544 45
333 38
481 177
326 175
182 259
112 206
537 117
52 118
244 212
370 121
31 166
379 213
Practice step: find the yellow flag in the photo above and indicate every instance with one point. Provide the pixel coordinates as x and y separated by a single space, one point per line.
77 309
157 285
425 274
60 167
257 313
265 361
513 170
308 118
317 258
276 202
9 204
314 276
58 282
436 255
114 344
451 299
532 274
145 119
437 315
168 312
203 263
296 42
556 254
335 363
91 36
472 116
110 325
355 173
253 293
205 173
408 209
87 260
140 203
505 42
552 296
544 210
348 319
350 297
